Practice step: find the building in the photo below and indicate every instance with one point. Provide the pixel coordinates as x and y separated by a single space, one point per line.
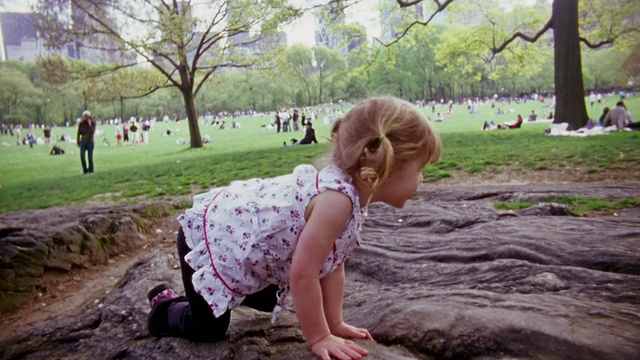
20 40
328 27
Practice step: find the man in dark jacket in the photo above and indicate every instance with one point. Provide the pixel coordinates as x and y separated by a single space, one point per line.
86 130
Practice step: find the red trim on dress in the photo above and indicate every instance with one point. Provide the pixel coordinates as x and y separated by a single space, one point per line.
206 242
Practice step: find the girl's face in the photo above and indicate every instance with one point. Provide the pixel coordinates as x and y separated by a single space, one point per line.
401 184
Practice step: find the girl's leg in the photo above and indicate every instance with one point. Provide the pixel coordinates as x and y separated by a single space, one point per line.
264 300
189 316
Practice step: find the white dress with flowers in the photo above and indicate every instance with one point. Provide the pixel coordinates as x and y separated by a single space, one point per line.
242 236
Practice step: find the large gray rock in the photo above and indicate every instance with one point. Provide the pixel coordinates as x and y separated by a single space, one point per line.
35 243
448 276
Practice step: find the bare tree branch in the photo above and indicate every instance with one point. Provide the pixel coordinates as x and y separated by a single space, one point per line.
441 7
154 89
411 3
525 37
608 41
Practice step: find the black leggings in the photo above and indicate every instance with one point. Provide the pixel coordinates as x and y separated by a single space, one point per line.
190 316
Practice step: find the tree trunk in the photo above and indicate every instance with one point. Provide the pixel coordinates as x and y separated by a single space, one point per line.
320 89
192 116
190 105
122 109
569 86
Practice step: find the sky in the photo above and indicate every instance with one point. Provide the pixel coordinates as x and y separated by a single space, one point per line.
16 5
365 13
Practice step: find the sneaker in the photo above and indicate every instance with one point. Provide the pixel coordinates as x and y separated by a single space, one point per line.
160 293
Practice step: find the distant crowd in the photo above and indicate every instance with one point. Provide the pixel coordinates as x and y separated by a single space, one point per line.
136 130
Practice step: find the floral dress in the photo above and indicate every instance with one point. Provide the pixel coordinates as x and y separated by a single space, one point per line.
242 236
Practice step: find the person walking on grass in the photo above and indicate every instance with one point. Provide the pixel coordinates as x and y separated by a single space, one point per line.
118 135
85 141
256 242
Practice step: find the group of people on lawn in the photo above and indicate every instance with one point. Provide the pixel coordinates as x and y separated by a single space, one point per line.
619 117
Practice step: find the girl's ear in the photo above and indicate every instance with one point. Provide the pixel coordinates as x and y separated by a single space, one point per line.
368 174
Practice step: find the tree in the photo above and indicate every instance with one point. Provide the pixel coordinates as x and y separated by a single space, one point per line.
187 42
328 65
300 63
613 22
20 101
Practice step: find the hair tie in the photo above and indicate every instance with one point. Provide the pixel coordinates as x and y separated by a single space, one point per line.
381 137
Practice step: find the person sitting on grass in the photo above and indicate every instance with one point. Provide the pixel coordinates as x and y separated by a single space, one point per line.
618 116
515 125
56 150
309 136
489 125
492 126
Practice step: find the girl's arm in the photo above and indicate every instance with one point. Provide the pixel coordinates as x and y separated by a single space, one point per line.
327 215
333 297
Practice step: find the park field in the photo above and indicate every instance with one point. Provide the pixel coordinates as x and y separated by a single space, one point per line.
30 178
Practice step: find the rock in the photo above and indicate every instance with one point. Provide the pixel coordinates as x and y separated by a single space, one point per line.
456 279
33 243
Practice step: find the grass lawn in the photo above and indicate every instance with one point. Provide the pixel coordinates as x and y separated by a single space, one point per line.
31 178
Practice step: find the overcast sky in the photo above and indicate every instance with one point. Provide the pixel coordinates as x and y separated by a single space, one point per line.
16 5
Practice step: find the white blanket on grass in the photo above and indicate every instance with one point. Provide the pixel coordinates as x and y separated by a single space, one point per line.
561 130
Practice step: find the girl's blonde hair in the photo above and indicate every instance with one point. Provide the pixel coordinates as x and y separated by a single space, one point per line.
379 133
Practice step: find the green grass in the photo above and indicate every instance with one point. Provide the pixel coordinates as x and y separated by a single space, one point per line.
31 178
515 205
578 205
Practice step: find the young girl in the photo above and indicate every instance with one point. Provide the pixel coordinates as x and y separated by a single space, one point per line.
254 242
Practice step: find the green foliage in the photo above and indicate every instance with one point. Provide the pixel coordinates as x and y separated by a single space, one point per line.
329 68
20 100
578 205
604 68
512 205
581 204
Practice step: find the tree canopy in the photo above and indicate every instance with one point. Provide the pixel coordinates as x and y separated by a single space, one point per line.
597 23
187 42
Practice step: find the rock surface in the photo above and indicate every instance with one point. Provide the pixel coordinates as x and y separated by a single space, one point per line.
44 242
448 276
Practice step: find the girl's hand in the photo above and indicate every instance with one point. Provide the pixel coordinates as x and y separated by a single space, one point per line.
347 331
339 348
